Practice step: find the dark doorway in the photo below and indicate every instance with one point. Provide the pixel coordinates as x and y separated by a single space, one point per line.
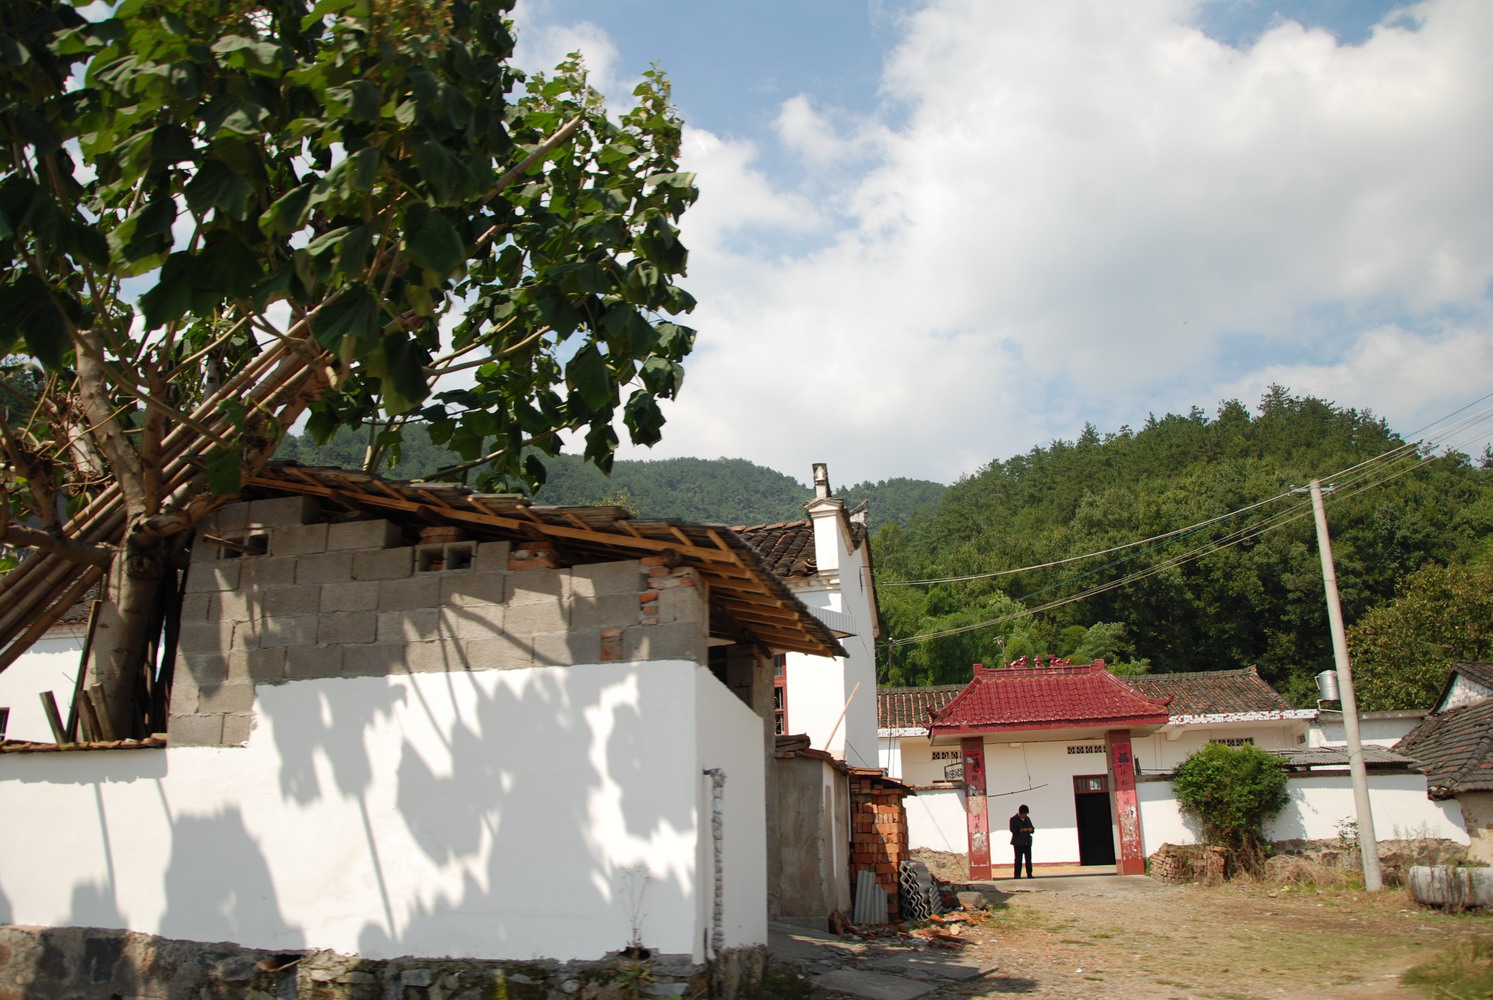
1096 835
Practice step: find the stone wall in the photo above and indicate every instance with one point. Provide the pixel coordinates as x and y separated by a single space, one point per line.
276 593
84 963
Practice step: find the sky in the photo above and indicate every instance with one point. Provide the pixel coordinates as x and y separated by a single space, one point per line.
933 234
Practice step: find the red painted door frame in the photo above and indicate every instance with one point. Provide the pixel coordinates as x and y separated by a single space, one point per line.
976 806
1130 857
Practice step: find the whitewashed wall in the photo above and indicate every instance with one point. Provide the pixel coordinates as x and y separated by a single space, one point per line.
1164 750
935 820
51 664
492 814
1317 806
730 736
1385 732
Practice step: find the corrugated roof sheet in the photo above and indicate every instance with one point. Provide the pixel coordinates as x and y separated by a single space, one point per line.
1455 748
1211 692
908 708
1020 698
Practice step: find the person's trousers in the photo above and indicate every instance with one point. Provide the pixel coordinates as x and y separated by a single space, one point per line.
1022 851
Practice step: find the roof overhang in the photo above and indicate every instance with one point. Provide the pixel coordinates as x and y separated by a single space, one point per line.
1040 732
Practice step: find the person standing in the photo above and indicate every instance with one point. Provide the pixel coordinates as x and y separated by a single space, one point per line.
1021 839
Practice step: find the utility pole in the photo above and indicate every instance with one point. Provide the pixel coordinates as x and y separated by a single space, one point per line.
1368 843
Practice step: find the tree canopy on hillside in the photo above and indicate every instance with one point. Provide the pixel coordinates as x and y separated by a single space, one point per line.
1255 598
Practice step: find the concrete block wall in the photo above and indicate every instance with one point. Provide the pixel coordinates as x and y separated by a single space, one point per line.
359 598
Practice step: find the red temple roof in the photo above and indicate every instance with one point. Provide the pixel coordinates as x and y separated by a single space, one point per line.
1018 698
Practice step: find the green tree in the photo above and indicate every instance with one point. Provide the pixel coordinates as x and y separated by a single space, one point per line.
217 215
1402 652
1231 791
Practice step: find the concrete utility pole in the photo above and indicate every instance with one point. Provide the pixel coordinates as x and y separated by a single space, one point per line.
1368 843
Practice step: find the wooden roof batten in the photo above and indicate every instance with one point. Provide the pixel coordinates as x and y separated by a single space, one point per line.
739 584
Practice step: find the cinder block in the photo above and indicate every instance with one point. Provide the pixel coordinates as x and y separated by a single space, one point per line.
380 659
289 631
682 604
215 574
298 540
233 606
206 637
184 692
349 596
597 579
676 641
434 657
247 635
379 534
235 696
473 621
226 520
266 571
258 665
282 602
473 588
491 556
536 619
415 625
236 729
194 606
541 586
611 609
423 590
283 511
305 662
578 645
345 629
501 652
323 568
202 669
195 730
383 564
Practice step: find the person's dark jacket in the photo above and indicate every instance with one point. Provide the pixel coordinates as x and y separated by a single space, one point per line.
1021 830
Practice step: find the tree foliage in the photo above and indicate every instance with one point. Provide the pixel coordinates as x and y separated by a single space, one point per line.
1231 792
365 188
1254 598
1402 653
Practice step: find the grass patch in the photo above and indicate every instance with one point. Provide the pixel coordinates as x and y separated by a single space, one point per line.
1462 972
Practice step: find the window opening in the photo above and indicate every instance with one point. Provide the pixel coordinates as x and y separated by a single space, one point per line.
780 693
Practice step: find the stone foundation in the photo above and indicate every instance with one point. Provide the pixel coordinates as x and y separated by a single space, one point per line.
85 963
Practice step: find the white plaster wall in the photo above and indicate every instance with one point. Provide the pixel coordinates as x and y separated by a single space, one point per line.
1317 805
730 736
889 755
1158 753
935 820
819 688
51 664
488 814
1039 775
1328 731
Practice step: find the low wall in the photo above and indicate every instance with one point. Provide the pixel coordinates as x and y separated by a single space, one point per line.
936 821
1317 808
500 814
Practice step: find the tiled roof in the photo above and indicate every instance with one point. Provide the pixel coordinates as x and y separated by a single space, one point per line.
1025 698
907 708
1211 692
1373 756
1480 675
787 549
1455 748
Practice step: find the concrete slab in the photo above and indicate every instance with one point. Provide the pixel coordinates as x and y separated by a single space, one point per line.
788 943
872 985
944 967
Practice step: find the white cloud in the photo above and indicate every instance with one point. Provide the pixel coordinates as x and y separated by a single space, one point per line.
1085 212
547 44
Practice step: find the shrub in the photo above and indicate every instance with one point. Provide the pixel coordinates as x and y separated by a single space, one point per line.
1231 791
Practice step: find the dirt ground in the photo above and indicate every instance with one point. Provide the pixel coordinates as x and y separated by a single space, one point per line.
1099 938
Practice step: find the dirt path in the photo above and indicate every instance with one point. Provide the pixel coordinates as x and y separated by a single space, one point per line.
1101 938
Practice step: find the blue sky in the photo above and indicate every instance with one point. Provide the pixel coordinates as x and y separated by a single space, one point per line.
934 234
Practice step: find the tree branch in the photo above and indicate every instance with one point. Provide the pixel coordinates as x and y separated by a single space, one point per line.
67 548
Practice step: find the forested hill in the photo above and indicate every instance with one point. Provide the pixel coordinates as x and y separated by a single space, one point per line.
1244 591
722 490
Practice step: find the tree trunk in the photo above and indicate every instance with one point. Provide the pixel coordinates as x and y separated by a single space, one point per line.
123 660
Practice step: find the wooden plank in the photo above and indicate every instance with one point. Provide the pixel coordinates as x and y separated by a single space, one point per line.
102 723
54 717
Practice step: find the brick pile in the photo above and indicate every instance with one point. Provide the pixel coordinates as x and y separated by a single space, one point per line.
878 833
1179 864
